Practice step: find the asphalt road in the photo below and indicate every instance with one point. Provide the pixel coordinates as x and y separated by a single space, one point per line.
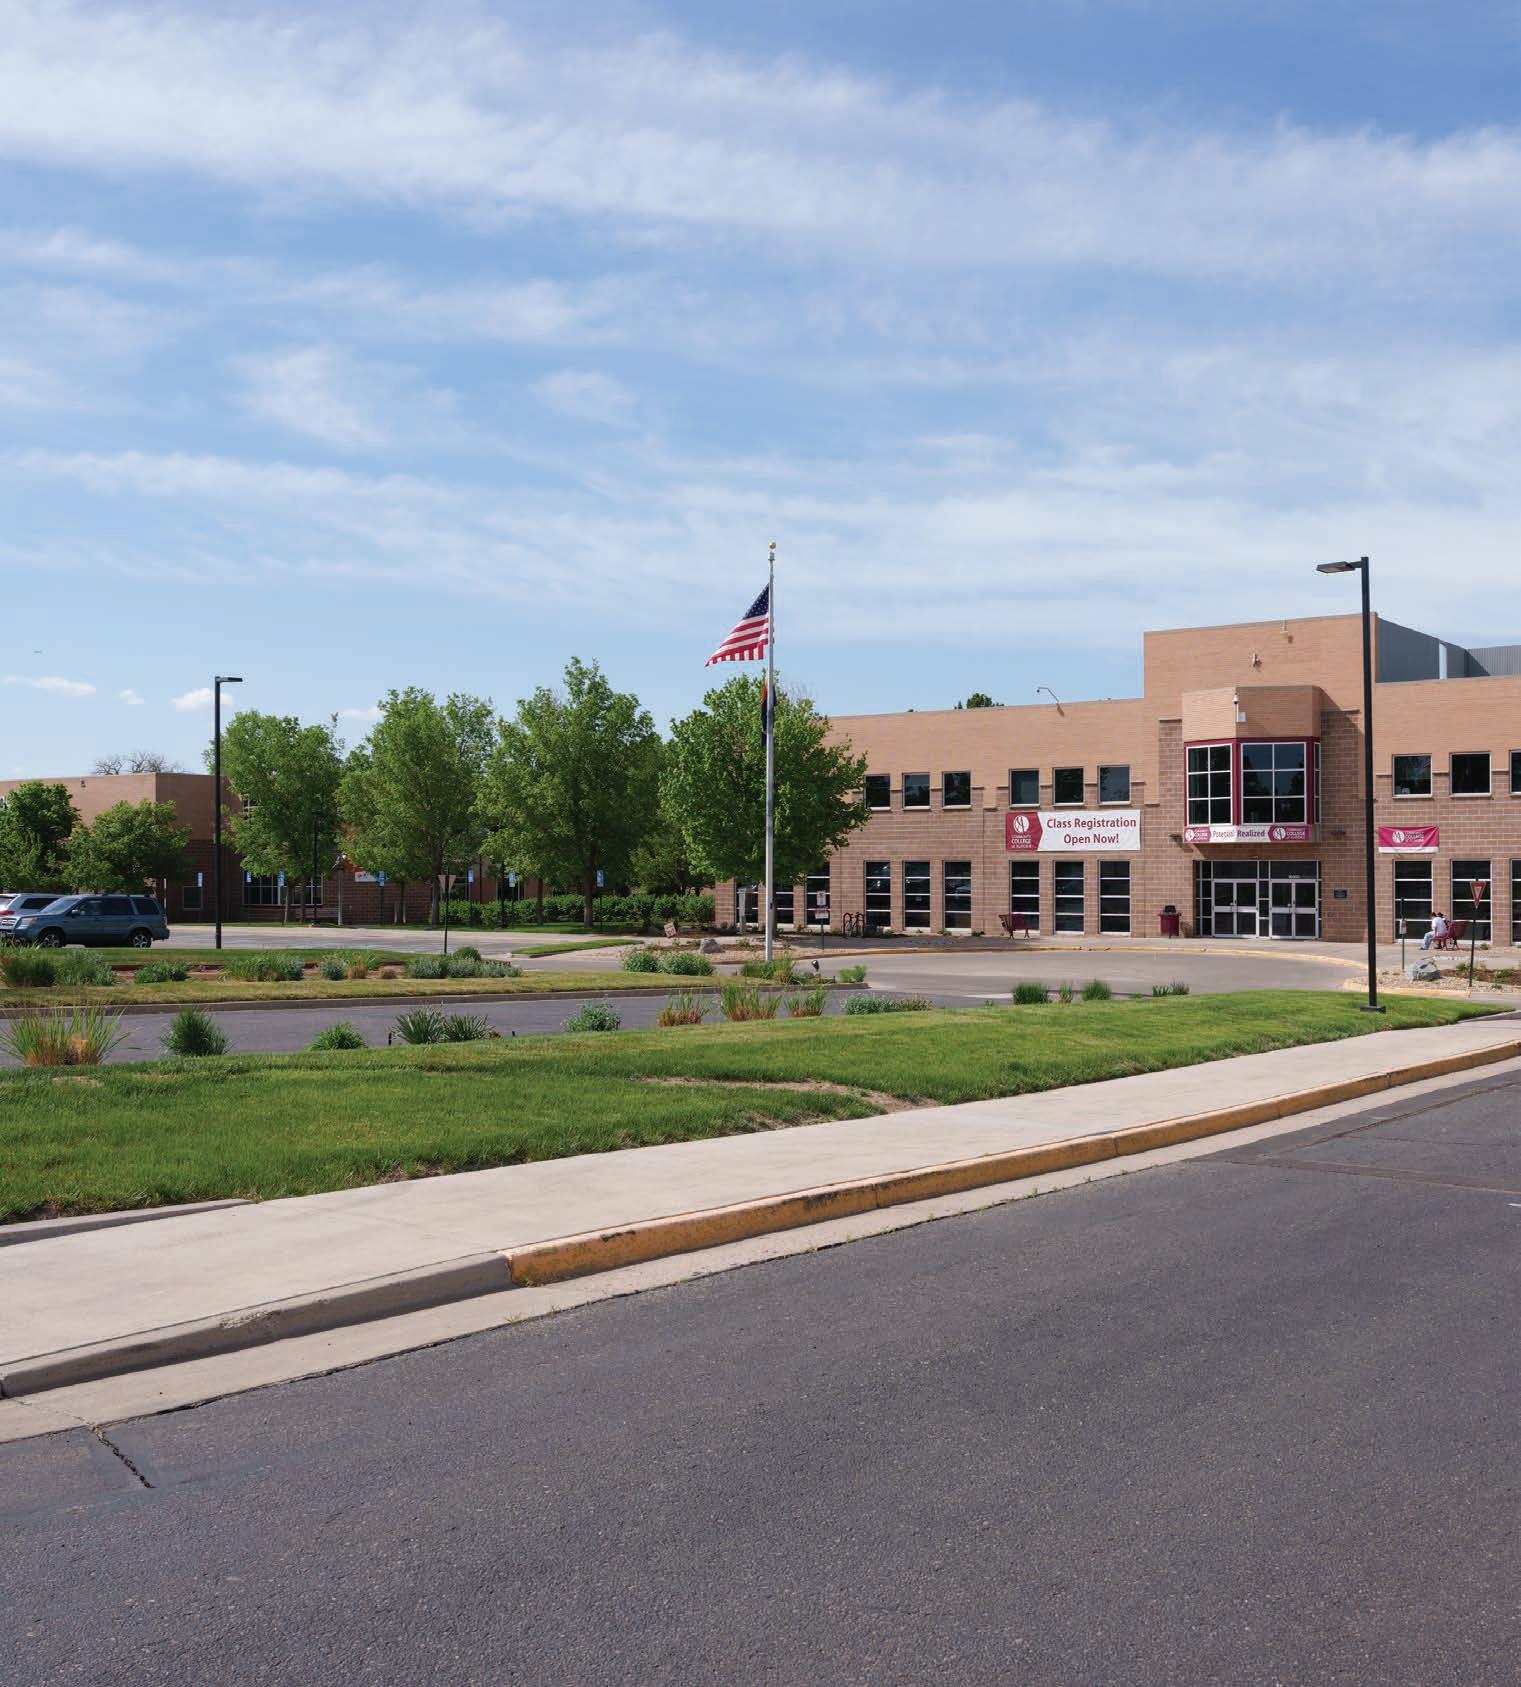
1249 1418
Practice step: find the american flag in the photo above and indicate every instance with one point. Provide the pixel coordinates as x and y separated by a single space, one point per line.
747 643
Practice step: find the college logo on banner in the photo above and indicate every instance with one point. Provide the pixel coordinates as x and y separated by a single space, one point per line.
1408 840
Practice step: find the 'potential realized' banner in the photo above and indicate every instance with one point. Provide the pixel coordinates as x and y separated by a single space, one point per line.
1072 831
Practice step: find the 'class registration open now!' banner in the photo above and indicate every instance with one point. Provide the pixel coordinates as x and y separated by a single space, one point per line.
1072 831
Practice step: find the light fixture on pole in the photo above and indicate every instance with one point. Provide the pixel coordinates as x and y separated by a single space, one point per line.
1360 566
1051 694
218 681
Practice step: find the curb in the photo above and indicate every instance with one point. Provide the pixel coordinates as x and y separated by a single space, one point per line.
45 1229
278 1004
559 1258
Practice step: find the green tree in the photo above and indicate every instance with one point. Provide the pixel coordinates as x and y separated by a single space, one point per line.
715 784
661 861
128 847
573 782
288 775
410 794
35 823
978 700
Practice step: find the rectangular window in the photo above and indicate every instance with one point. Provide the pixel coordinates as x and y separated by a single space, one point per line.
1515 901
817 890
1515 773
1272 784
1024 787
1114 784
1114 896
916 790
190 898
1412 897
1067 787
1412 776
957 877
879 790
916 895
116 907
879 895
1464 907
1470 775
261 890
956 791
1067 894
1024 891
1209 785
782 901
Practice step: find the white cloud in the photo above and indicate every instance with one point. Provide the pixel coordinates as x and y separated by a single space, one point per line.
200 698
367 716
130 698
54 683
588 396
310 391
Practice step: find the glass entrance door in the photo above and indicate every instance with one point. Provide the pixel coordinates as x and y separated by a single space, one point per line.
1235 899
1294 899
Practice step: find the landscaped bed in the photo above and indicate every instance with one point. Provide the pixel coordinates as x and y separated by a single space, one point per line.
264 1126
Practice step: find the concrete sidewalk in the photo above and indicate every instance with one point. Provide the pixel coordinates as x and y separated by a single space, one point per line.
104 1302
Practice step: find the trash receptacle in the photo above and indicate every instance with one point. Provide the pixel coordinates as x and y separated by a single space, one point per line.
1170 919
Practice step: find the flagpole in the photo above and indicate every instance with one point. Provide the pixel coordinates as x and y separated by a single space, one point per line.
769 717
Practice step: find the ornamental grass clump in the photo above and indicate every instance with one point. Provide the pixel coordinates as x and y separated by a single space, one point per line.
1028 992
33 968
466 1028
79 966
686 963
82 1037
161 972
263 966
594 1016
1064 991
500 969
779 970
427 966
806 1004
420 1025
885 1004
1096 990
739 1001
193 1033
682 1007
344 1035
851 975
333 968
640 960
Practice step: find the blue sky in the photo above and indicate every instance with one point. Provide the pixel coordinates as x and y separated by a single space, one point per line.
350 347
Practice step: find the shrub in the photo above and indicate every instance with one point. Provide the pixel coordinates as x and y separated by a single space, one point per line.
466 1028
193 1033
427 966
778 970
82 1037
161 972
333 967
806 1004
33 967
1064 991
640 960
744 1001
420 1025
1027 991
885 1004
468 951
1176 989
263 966
357 963
852 975
462 966
500 969
79 966
686 963
594 1016
343 1035
1096 990
682 1007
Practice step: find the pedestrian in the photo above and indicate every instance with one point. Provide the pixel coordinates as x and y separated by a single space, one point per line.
1438 931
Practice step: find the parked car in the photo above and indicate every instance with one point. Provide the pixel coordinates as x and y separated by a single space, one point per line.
15 903
133 922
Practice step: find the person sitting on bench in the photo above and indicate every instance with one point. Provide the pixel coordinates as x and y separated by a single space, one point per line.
1438 932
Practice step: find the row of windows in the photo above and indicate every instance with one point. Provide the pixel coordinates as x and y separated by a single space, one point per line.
1415 898
1068 893
1067 788
1275 783
1468 775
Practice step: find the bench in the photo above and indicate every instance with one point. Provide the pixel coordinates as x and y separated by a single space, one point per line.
1457 930
1017 925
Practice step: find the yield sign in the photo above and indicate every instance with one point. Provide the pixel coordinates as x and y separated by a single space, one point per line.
1479 887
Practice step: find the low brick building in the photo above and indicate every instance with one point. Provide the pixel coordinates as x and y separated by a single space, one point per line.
360 897
1230 791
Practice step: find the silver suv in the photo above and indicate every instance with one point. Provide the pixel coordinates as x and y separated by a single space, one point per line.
129 922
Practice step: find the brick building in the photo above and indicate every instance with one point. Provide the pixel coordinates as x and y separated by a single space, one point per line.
1230 790
362 899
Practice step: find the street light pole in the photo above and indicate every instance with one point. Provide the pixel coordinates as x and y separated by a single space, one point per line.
218 681
1369 839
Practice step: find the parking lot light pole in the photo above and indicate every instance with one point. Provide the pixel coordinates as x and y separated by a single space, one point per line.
1360 566
218 681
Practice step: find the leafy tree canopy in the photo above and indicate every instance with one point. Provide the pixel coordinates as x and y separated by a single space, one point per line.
288 775
978 700
35 823
572 783
715 785
128 847
410 794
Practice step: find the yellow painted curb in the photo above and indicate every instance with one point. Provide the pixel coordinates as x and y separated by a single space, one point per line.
604 1250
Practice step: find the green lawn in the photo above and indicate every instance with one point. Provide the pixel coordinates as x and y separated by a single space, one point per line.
570 948
269 1125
